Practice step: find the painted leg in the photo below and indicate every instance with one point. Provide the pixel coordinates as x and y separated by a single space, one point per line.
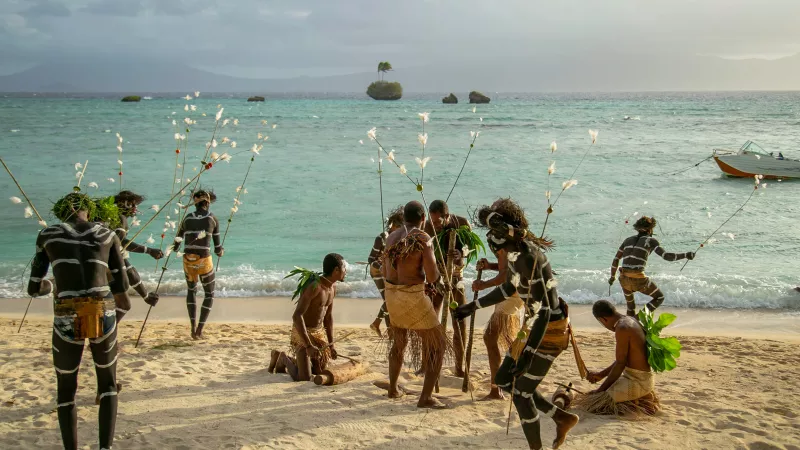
630 302
658 297
104 354
191 305
528 385
208 281
67 360
529 420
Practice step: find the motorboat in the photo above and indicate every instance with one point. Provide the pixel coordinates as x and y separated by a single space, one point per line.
751 160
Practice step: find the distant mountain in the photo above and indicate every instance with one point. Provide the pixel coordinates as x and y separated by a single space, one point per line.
586 73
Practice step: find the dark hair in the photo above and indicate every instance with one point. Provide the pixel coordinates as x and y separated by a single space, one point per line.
603 308
438 207
208 194
510 211
645 224
395 217
331 262
413 212
128 196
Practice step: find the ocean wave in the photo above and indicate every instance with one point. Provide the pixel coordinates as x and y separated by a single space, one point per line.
575 286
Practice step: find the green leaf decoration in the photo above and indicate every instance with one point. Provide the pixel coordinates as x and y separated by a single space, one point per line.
107 212
308 278
664 320
467 238
662 352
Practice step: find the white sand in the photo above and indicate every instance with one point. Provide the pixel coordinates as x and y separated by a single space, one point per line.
727 392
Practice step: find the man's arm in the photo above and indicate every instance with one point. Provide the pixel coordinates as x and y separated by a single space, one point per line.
432 274
375 253
506 290
133 247
37 285
671 256
502 273
303 303
179 236
616 369
119 278
215 236
615 264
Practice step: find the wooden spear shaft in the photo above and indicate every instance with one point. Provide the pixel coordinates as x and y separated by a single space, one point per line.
466 384
37 215
21 190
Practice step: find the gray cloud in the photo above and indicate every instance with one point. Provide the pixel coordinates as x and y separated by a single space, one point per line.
47 8
261 38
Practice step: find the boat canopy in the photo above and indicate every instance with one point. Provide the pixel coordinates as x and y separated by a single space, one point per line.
752 147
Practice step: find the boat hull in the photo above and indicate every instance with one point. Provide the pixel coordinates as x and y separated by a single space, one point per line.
748 166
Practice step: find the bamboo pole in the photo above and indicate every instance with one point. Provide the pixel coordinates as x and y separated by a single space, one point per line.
466 385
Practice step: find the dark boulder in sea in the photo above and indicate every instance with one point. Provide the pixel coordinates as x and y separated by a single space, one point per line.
385 90
255 98
450 99
131 98
477 97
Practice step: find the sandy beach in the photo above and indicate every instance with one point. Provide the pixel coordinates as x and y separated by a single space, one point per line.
735 386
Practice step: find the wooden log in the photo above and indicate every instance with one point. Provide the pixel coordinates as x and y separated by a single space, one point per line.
341 373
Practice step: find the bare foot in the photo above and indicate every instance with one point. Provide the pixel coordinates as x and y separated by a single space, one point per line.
376 327
199 336
395 393
431 403
494 394
564 422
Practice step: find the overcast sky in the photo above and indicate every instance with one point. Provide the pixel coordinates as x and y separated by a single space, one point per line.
262 38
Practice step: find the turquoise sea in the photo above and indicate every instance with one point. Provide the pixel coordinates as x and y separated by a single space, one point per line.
314 188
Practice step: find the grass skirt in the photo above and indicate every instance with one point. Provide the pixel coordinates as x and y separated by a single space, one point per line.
632 394
318 338
415 323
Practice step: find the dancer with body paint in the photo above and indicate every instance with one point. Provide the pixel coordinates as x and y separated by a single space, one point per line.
634 252
311 339
393 222
127 202
529 274
441 220
408 264
504 324
196 232
82 254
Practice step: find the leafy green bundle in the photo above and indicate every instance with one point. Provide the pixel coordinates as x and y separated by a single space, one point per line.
107 212
661 351
308 278
467 238
67 206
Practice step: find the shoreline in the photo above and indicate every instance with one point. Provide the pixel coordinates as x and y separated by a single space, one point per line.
358 313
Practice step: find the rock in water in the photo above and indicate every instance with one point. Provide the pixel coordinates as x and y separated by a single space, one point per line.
450 99
385 90
477 97
255 98
131 98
